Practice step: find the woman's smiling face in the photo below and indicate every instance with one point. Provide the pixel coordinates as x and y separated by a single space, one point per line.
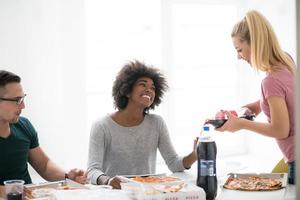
143 92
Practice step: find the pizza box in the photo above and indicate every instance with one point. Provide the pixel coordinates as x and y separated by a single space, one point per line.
284 193
44 191
93 194
157 191
282 177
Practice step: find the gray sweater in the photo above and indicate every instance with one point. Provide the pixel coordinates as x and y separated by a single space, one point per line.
117 150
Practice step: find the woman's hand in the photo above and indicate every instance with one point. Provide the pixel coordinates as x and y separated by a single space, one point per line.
115 182
232 124
192 157
253 107
195 145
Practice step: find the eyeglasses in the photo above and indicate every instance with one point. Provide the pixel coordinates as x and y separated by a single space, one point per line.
18 100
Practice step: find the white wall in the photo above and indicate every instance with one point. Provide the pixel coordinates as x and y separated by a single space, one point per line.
43 42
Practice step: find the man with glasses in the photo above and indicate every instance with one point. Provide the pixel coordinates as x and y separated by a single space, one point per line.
19 141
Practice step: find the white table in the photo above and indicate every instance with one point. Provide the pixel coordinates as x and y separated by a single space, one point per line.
289 193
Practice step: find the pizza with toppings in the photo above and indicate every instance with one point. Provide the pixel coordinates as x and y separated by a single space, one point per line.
156 179
253 183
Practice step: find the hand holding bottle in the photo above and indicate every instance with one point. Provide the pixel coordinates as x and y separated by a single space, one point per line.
253 107
231 124
223 116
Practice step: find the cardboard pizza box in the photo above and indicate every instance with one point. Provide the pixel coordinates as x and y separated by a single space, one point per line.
156 192
44 191
282 177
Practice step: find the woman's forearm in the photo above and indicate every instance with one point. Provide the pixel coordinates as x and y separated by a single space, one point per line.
189 160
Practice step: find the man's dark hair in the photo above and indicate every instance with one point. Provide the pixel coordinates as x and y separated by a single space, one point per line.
8 77
126 79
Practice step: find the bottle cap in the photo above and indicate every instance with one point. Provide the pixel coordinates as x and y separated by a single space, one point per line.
205 128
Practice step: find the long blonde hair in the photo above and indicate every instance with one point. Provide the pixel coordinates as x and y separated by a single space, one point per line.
265 49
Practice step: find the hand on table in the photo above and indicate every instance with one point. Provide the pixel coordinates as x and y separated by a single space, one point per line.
78 175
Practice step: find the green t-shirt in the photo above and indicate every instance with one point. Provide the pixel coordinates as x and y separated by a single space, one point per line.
14 151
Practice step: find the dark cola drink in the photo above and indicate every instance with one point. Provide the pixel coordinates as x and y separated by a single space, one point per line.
207 152
14 196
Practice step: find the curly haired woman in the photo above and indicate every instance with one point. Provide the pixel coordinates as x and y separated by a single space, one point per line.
126 141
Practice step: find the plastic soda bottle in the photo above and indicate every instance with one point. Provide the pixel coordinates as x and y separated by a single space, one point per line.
207 152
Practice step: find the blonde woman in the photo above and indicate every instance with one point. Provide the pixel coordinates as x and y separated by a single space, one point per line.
256 43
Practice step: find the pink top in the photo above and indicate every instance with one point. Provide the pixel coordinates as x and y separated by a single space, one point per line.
281 83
